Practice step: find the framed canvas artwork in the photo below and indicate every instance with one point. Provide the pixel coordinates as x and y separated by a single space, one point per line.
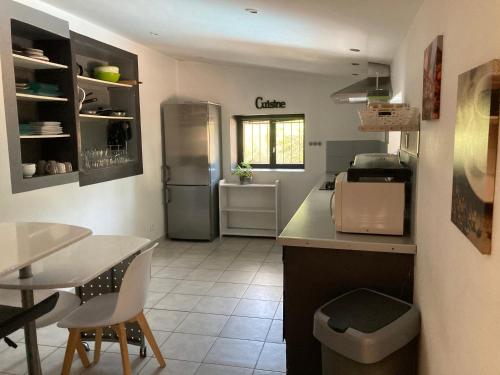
475 155
431 94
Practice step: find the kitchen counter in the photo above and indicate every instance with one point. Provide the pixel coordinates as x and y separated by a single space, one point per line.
312 226
320 264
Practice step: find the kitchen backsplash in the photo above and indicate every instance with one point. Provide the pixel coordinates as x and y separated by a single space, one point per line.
340 153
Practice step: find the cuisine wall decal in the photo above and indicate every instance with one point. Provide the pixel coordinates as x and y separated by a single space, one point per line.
260 103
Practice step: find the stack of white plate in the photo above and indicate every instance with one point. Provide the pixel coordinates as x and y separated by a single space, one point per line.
35 54
44 128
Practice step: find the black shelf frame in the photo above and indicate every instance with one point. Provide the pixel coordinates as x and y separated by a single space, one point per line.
89 52
31 28
40 30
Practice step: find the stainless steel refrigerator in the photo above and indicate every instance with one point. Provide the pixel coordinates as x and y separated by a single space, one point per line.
192 169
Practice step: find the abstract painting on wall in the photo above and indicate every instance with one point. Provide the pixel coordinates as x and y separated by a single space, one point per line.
431 94
474 165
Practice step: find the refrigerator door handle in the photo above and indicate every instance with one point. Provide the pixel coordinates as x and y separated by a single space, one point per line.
166 173
167 195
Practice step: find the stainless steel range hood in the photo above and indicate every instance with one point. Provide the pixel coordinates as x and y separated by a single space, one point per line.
358 92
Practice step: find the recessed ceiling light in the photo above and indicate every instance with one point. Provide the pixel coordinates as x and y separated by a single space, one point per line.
354 49
252 10
154 34
354 64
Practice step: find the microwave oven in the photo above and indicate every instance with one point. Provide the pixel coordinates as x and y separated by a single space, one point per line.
368 207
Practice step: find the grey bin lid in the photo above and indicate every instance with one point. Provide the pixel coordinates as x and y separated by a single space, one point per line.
366 326
363 310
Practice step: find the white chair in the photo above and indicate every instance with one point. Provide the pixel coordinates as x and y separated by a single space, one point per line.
114 309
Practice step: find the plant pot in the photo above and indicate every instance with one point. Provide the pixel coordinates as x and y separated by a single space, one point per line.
245 180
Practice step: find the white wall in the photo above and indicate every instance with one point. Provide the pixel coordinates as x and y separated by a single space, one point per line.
457 288
236 87
134 205
127 206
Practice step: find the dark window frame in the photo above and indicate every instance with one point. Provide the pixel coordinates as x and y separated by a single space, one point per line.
272 139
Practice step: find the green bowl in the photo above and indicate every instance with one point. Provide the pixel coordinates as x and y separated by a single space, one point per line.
107 76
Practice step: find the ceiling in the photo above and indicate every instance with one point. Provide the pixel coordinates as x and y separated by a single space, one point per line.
302 35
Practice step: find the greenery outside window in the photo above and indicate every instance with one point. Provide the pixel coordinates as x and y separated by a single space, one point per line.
271 141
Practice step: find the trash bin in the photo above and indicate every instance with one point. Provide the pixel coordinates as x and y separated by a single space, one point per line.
364 332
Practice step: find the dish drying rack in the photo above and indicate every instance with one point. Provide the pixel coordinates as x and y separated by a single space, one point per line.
385 117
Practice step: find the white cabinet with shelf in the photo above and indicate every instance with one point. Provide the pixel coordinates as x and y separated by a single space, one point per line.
249 210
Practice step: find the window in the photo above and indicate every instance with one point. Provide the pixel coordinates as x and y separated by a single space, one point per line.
271 141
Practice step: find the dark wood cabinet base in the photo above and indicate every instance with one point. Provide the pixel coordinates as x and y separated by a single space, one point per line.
314 276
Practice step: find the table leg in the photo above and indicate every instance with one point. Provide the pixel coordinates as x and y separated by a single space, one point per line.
30 339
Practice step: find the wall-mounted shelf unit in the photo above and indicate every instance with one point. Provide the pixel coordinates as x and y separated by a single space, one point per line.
22 27
249 210
90 53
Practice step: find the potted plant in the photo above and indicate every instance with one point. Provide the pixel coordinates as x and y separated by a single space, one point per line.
244 172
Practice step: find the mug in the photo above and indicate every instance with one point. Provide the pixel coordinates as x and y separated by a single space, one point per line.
51 167
61 168
69 167
40 167
28 170
81 97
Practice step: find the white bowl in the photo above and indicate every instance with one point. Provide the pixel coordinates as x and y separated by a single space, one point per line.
29 170
107 68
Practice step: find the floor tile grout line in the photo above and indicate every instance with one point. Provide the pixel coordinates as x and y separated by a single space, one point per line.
145 364
206 313
205 335
231 261
231 314
208 351
220 282
243 297
258 357
237 367
218 337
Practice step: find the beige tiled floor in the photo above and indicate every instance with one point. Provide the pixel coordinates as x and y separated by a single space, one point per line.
215 309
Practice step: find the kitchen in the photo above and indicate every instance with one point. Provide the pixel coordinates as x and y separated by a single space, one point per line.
449 272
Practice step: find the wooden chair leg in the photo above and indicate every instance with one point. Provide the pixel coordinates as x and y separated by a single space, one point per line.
82 353
73 338
143 323
98 342
122 336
